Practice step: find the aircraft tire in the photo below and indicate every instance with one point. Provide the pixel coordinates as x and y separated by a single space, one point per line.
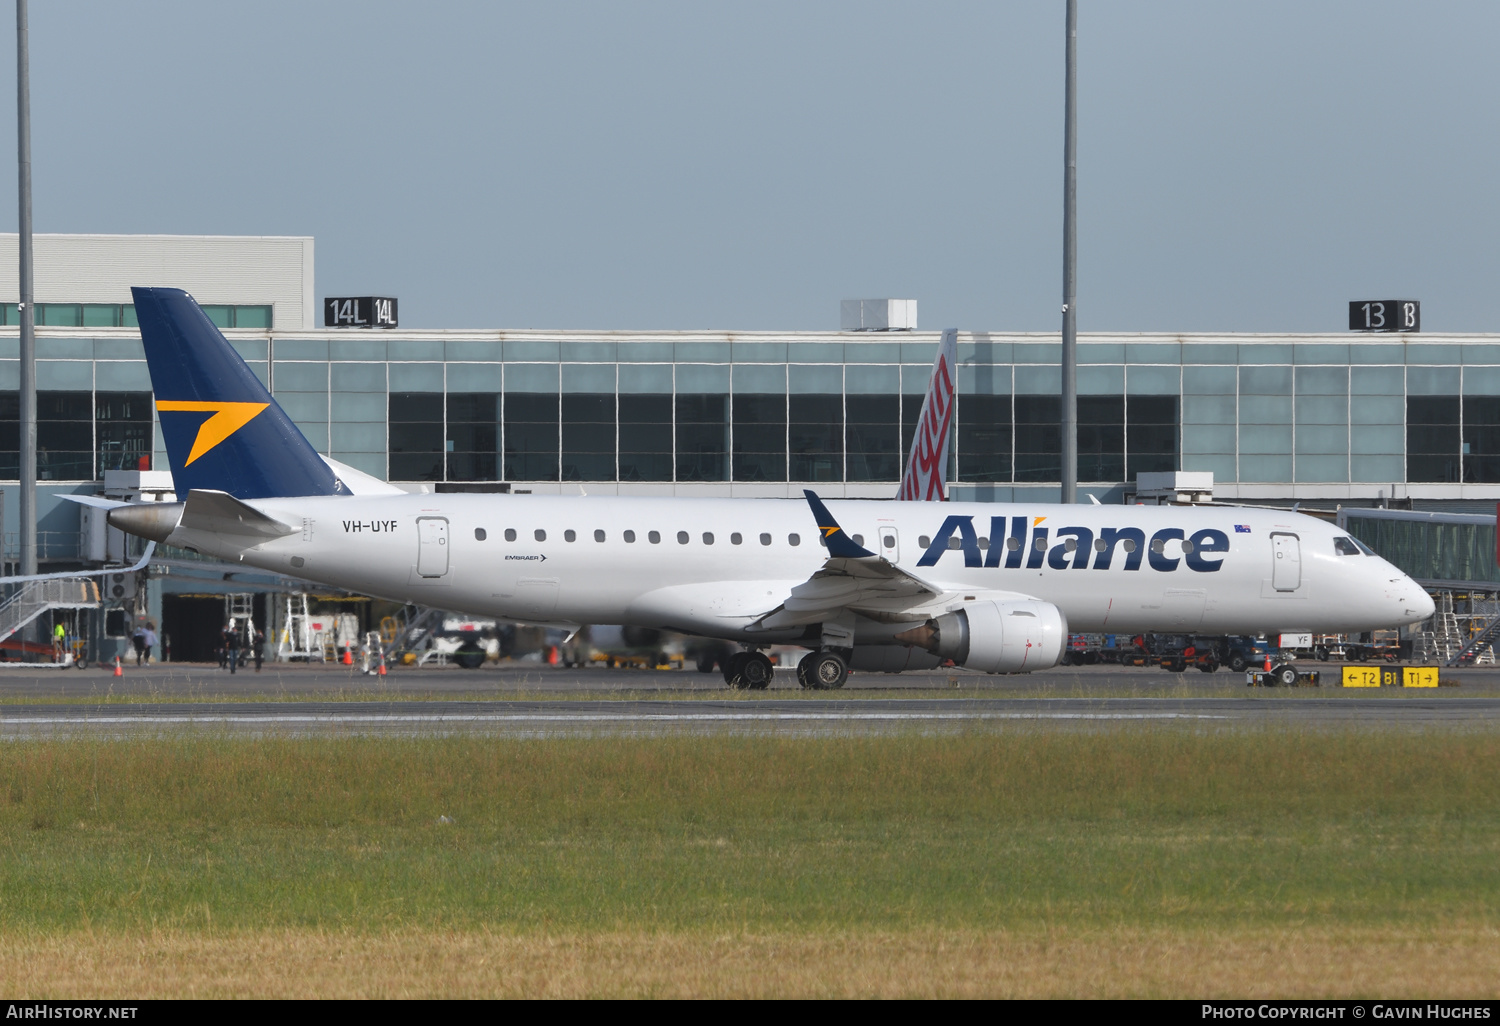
1237 663
827 670
804 670
756 672
705 664
734 670
469 658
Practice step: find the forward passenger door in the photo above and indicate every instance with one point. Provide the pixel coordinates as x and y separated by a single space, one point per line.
1286 561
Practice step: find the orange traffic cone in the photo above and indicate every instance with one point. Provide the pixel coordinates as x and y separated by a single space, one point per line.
118 672
381 670
1267 667
348 657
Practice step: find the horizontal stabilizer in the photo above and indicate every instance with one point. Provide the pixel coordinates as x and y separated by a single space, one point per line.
222 513
96 501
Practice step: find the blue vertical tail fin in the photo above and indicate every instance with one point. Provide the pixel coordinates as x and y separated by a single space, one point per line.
223 430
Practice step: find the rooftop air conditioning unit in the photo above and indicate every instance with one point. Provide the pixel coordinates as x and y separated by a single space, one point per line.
878 315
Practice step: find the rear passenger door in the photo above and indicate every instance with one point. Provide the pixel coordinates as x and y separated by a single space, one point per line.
432 546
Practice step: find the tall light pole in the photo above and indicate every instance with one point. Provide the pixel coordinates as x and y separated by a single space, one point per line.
1070 268
28 316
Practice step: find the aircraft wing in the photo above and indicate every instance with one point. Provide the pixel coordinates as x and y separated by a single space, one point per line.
851 578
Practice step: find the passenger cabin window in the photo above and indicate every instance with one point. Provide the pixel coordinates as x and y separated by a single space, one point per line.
598 536
510 534
629 537
1014 544
708 537
859 540
480 534
794 539
736 538
654 537
765 539
1345 546
570 535
541 535
682 537
924 541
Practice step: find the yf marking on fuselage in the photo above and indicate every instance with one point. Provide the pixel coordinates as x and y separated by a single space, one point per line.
373 526
1075 548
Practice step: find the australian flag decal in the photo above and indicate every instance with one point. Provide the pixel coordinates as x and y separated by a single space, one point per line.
1241 528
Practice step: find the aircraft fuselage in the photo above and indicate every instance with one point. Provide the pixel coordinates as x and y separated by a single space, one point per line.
716 566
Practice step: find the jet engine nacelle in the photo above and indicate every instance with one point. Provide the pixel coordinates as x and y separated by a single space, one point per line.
996 636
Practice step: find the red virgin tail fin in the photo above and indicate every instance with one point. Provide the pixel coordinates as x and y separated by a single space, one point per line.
926 477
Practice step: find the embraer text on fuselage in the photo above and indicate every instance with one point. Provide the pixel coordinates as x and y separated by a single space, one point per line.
1018 541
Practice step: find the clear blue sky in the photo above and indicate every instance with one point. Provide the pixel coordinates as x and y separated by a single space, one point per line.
1243 167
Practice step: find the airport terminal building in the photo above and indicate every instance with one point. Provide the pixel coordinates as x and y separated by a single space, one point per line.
1318 419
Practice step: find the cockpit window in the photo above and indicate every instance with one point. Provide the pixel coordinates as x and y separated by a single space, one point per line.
1345 546
1365 548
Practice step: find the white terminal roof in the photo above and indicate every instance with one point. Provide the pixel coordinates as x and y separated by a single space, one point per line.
230 269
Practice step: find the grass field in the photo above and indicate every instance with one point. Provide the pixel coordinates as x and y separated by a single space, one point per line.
1139 861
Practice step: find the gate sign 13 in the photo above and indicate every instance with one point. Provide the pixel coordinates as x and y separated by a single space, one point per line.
1385 315
359 312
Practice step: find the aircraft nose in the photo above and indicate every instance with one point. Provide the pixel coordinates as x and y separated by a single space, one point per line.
1411 600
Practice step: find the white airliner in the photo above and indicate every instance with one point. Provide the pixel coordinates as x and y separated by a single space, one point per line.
871 584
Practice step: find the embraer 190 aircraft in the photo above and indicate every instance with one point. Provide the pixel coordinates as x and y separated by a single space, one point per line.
872 584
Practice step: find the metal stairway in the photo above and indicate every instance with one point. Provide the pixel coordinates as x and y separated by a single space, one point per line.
1483 639
416 623
34 598
1443 639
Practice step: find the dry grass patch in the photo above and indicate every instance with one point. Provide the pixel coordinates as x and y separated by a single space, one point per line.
1120 962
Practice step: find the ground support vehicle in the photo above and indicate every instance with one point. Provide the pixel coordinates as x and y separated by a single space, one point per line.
1381 647
1283 676
658 661
1083 649
1329 646
1240 652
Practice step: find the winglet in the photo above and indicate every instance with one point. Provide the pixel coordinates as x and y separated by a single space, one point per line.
840 545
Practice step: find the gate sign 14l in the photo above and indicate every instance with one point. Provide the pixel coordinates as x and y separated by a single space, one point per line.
1385 315
359 312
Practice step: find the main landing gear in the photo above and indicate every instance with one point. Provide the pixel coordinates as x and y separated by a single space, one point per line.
750 670
822 670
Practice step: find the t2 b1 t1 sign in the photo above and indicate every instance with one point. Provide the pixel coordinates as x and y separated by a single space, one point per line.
1385 315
